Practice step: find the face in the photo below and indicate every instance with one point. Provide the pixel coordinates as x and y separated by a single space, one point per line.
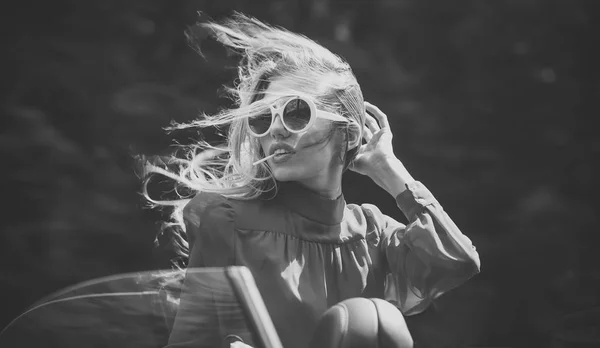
314 159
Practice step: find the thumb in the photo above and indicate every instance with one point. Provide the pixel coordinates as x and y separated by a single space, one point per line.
356 165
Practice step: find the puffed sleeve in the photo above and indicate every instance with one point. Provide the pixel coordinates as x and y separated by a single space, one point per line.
209 221
427 257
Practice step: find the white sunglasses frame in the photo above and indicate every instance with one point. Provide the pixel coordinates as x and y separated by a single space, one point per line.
314 114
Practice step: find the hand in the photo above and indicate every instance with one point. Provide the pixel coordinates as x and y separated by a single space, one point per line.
376 158
378 148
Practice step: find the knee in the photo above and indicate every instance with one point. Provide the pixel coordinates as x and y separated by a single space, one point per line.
360 322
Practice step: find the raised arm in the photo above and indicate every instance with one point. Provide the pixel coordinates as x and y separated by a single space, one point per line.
427 257
430 255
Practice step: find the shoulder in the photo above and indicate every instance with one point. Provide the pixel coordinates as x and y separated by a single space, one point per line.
369 219
246 214
366 213
201 204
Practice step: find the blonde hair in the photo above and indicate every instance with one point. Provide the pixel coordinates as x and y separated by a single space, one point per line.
267 53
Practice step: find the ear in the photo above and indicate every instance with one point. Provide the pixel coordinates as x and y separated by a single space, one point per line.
354 136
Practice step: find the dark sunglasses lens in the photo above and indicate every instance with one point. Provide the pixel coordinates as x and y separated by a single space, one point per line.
260 124
296 114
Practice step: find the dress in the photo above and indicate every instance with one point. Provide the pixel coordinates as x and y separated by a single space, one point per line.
308 253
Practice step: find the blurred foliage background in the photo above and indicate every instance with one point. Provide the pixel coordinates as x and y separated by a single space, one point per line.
492 105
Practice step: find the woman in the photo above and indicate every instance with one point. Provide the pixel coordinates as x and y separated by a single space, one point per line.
271 199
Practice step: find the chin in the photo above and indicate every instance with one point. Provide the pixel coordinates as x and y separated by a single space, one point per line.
287 174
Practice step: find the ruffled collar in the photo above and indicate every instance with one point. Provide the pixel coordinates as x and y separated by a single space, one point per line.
311 205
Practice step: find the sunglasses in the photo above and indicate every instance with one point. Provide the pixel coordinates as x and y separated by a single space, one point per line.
297 115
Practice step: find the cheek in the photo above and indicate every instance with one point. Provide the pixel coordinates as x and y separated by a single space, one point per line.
317 137
263 144
318 152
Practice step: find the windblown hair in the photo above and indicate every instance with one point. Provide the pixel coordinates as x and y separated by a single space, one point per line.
267 53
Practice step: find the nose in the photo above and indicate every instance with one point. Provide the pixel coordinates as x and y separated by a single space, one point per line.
277 129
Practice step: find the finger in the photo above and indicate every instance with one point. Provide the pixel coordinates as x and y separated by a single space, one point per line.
355 164
367 134
371 122
379 115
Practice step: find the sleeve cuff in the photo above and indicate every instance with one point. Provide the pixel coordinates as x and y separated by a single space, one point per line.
412 200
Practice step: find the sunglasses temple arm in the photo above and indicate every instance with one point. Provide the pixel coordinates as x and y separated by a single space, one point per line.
331 116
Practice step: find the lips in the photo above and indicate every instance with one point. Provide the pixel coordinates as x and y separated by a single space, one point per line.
281 148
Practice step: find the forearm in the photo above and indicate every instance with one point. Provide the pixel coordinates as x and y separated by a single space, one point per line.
429 256
393 177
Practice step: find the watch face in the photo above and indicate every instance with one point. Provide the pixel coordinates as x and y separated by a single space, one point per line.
205 307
